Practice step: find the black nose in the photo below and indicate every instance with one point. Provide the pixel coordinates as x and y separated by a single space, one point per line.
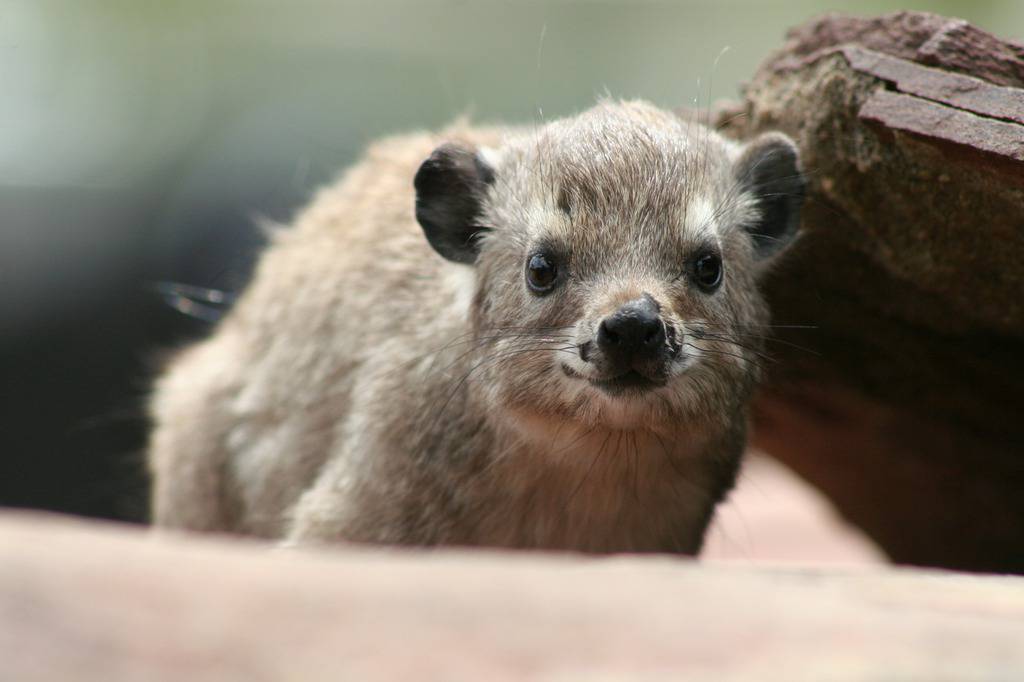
633 332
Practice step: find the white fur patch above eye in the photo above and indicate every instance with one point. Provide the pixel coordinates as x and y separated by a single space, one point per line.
489 155
700 219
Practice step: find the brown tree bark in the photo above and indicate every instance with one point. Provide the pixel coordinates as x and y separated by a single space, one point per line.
905 401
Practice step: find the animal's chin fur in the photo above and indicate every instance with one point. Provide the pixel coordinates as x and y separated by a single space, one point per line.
578 406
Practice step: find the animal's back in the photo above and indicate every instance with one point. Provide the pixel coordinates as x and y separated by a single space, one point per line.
246 419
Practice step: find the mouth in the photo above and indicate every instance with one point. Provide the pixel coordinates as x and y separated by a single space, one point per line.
631 382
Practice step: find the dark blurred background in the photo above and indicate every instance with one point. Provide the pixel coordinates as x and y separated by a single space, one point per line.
141 142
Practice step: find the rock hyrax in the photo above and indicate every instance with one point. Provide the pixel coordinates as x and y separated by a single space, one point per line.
520 337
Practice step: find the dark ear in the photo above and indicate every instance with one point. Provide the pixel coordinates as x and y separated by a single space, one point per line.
769 169
450 186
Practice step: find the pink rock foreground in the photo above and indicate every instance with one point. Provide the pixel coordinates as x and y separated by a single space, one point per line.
87 601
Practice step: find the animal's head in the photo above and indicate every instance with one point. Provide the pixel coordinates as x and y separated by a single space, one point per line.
617 255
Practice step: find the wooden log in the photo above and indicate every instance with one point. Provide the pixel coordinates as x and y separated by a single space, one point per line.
905 402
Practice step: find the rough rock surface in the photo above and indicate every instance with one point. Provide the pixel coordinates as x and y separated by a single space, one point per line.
772 516
904 401
84 601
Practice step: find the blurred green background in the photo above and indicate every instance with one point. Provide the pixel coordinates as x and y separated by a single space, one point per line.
140 139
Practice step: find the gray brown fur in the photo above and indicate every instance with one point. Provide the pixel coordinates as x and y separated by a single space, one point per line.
365 389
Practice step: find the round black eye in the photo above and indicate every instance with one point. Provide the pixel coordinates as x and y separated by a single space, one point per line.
707 271
541 273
